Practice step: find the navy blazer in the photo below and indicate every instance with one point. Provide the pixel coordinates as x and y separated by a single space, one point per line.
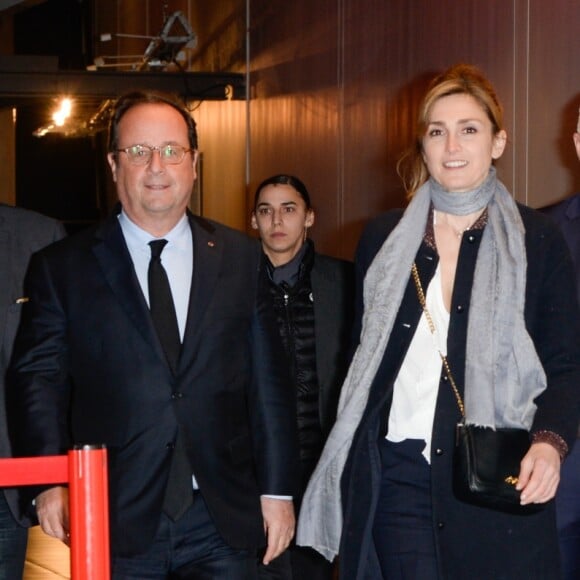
89 368
567 215
22 232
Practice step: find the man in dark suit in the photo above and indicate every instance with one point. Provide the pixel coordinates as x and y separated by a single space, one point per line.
22 233
567 215
202 442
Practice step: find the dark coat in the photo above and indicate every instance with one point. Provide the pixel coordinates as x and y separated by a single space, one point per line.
315 317
22 232
566 213
471 543
88 352
333 290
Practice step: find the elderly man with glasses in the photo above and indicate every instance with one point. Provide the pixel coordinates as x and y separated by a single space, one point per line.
148 334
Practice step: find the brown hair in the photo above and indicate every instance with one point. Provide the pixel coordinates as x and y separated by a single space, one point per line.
134 98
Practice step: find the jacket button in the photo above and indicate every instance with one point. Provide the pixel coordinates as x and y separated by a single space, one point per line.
440 525
444 378
170 445
438 451
176 395
471 238
459 308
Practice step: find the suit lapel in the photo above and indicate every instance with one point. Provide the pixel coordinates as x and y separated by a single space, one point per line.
115 262
5 271
207 251
116 265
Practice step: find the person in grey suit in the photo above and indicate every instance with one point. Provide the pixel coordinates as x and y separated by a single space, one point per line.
566 213
22 233
313 296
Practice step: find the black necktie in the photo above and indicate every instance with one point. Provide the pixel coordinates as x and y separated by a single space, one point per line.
179 492
162 307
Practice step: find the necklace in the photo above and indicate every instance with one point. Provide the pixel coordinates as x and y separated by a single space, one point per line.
458 233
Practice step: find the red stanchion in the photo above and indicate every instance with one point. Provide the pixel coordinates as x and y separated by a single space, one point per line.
85 471
89 513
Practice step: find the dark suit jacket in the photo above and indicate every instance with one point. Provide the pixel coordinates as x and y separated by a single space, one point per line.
88 352
567 215
22 232
333 289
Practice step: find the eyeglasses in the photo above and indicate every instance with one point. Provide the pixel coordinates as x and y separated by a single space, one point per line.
142 154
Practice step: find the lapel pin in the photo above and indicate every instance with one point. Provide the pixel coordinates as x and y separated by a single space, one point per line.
211 244
22 300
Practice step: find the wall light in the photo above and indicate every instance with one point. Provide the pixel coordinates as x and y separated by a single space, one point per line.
61 115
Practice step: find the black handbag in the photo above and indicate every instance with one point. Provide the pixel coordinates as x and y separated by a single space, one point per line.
486 462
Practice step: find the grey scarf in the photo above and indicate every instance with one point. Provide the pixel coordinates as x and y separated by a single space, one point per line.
503 372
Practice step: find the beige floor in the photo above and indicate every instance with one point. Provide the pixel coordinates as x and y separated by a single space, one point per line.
46 558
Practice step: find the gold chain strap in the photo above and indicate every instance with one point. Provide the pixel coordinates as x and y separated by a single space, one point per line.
423 303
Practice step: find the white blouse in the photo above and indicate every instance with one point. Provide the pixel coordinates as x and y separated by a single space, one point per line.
416 386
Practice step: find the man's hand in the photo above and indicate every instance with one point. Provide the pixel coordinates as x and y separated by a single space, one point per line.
539 474
52 511
279 525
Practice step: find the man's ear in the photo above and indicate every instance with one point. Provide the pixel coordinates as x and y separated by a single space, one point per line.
194 158
113 165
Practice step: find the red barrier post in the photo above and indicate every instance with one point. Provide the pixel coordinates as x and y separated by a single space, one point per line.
85 471
89 513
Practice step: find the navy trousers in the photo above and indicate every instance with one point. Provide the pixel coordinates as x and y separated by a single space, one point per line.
13 540
403 528
188 549
297 563
568 514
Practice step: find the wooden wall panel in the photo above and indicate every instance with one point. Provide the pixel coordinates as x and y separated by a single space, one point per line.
391 51
294 107
554 97
380 55
221 128
334 90
298 135
7 156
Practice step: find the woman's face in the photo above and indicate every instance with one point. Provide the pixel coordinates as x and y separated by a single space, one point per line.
281 218
459 145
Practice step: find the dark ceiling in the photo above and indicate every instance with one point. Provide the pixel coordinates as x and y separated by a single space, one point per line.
52 48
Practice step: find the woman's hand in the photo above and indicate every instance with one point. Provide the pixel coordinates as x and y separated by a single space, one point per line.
539 474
